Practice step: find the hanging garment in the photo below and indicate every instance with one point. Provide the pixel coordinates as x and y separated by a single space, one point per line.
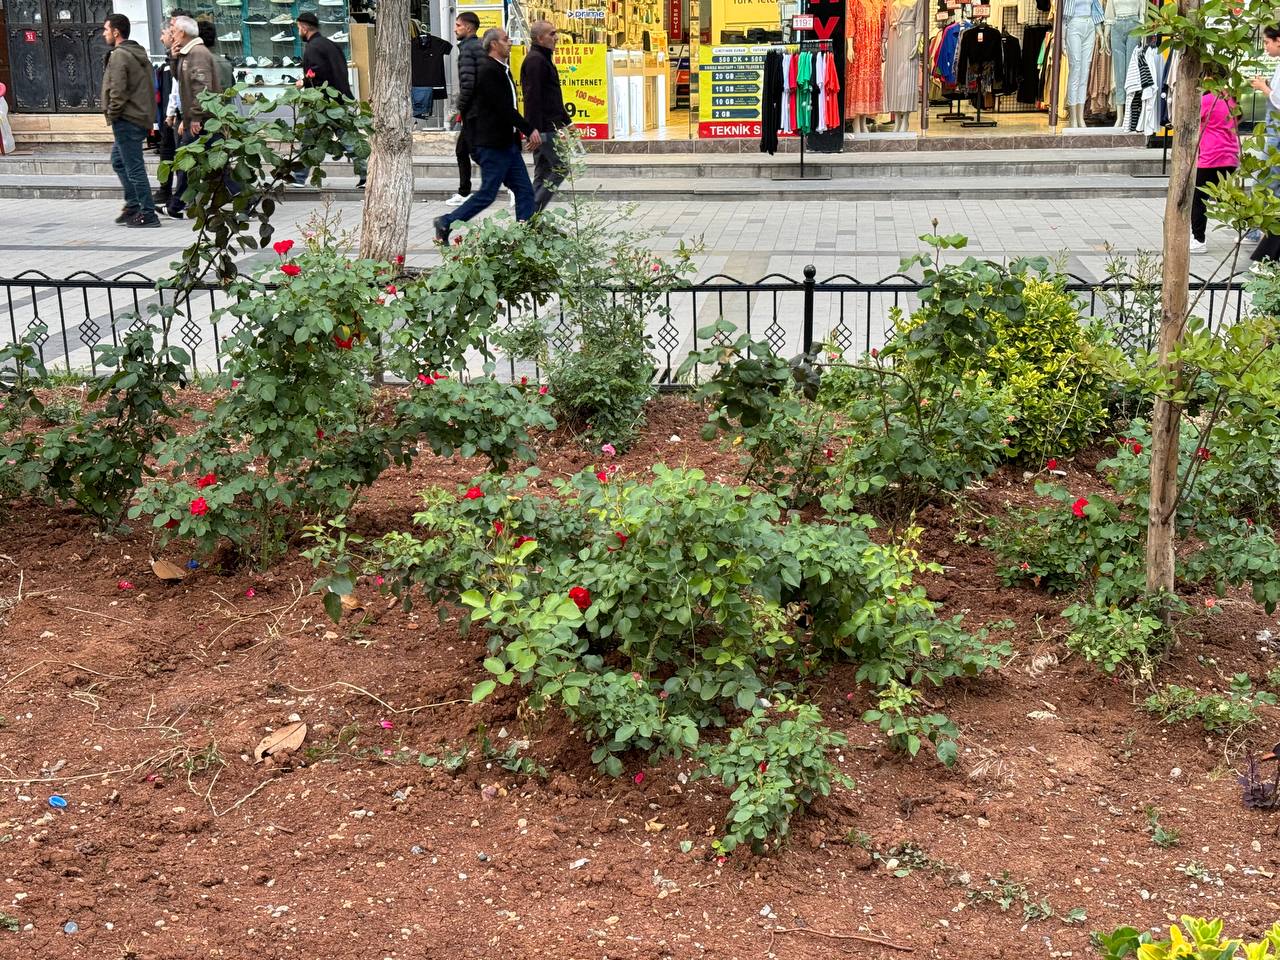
1033 41
1011 77
863 80
771 102
981 57
1140 90
1098 93
788 124
948 48
804 93
830 98
904 21
793 82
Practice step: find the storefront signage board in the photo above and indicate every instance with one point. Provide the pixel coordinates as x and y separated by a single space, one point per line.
740 15
584 82
730 85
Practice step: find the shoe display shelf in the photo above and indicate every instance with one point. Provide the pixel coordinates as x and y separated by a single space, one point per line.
260 37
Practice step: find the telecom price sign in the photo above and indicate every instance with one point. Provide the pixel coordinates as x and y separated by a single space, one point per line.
584 82
730 86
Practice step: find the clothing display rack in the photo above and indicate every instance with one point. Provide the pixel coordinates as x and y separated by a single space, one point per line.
979 20
800 46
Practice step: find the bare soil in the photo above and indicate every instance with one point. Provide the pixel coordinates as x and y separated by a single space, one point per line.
142 707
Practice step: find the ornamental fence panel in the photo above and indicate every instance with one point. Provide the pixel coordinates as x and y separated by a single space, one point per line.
848 315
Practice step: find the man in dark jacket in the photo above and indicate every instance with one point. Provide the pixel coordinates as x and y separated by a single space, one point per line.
197 74
128 101
323 64
544 109
470 53
495 129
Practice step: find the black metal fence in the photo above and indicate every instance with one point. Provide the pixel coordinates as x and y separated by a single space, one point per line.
852 316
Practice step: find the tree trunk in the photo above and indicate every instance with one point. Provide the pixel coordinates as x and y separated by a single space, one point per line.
384 232
1161 514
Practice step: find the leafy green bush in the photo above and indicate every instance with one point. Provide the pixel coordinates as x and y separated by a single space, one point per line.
1217 712
908 731
777 762
1202 940
1127 640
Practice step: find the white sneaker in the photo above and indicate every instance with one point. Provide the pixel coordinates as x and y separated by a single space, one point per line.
284 36
511 197
229 37
340 37
283 20
456 200
1198 246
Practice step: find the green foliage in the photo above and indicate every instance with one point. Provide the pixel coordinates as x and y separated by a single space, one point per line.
1162 836
776 762
1218 712
261 154
1130 641
21 370
301 432
594 346
1196 939
908 731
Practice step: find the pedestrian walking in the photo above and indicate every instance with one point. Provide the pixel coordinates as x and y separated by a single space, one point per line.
167 106
495 128
544 109
470 53
197 74
323 65
1218 158
1270 90
128 101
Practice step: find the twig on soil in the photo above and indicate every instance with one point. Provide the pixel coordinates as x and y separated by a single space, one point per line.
63 663
377 699
276 613
846 936
236 805
104 616
82 776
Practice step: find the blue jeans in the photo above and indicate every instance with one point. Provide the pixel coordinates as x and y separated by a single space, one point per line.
422 100
126 161
1123 42
498 168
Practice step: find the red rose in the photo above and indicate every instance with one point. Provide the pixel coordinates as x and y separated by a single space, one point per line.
602 477
310 74
199 507
497 528
124 585
662 694
1136 448
542 391
1077 508
473 493
874 353
764 765
524 381
521 541
622 539
829 453
399 260
391 288
208 480
282 246
638 778
343 344
1203 454
426 379
581 596
1052 464
290 269
319 434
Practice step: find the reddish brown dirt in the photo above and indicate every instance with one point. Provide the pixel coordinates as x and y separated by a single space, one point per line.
117 700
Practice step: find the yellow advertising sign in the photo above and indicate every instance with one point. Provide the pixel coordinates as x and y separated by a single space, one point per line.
730 91
739 16
584 81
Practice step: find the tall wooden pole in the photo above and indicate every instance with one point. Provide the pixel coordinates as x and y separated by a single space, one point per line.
1161 515
384 232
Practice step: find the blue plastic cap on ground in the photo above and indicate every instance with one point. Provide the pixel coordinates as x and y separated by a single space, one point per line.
57 801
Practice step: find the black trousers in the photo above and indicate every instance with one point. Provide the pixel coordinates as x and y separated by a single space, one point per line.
1199 218
463 152
168 147
550 164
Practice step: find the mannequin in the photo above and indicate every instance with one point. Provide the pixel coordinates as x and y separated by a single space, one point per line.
1119 21
903 30
863 81
1082 22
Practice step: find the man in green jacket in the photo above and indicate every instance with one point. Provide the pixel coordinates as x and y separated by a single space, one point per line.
128 101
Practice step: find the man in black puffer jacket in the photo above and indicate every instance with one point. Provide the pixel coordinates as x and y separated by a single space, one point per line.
470 53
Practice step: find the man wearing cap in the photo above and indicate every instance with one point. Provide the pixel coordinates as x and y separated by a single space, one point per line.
322 65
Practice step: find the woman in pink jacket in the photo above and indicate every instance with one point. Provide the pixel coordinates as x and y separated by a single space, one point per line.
1219 157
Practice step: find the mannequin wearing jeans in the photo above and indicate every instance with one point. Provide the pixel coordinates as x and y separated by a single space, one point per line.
1120 20
1082 20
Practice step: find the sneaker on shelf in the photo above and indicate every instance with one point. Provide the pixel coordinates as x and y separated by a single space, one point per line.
456 200
127 214
144 220
255 22
287 3
284 36
250 61
228 3
340 37
288 79
332 3
283 20
288 62
231 37
1198 246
